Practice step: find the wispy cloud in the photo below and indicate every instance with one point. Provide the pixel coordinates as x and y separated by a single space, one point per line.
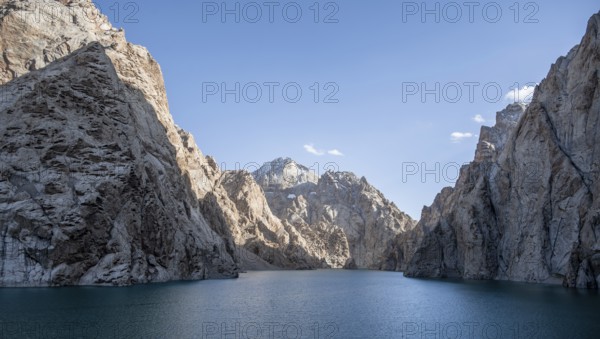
460 136
479 119
523 95
310 148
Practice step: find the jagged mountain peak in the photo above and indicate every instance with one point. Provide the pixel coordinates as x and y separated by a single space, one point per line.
593 28
340 201
283 160
344 180
511 113
284 173
493 139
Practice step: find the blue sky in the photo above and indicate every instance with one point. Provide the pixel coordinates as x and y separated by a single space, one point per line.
366 64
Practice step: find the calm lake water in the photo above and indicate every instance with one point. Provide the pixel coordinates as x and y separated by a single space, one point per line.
303 304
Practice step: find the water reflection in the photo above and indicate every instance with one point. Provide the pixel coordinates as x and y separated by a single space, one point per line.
303 304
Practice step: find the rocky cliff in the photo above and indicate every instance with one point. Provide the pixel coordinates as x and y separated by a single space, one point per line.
285 216
97 184
337 209
274 240
527 208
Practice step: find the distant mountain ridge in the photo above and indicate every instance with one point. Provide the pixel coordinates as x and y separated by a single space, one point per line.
290 217
283 173
337 201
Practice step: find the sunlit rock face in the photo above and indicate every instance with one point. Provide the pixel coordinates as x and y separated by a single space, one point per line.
527 209
337 211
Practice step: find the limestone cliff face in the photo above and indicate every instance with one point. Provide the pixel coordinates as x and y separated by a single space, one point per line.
257 231
527 208
97 184
338 206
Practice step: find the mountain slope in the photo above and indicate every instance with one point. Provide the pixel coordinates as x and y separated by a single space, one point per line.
98 185
530 211
89 185
274 240
338 206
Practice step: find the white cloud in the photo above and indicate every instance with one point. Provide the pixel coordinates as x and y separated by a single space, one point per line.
312 150
523 95
460 136
336 153
479 119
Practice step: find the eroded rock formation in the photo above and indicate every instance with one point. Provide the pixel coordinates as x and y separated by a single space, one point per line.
337 209
527 209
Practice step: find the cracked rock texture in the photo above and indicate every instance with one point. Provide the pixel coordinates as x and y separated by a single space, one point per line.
528 207
97 184
337 211
276 241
